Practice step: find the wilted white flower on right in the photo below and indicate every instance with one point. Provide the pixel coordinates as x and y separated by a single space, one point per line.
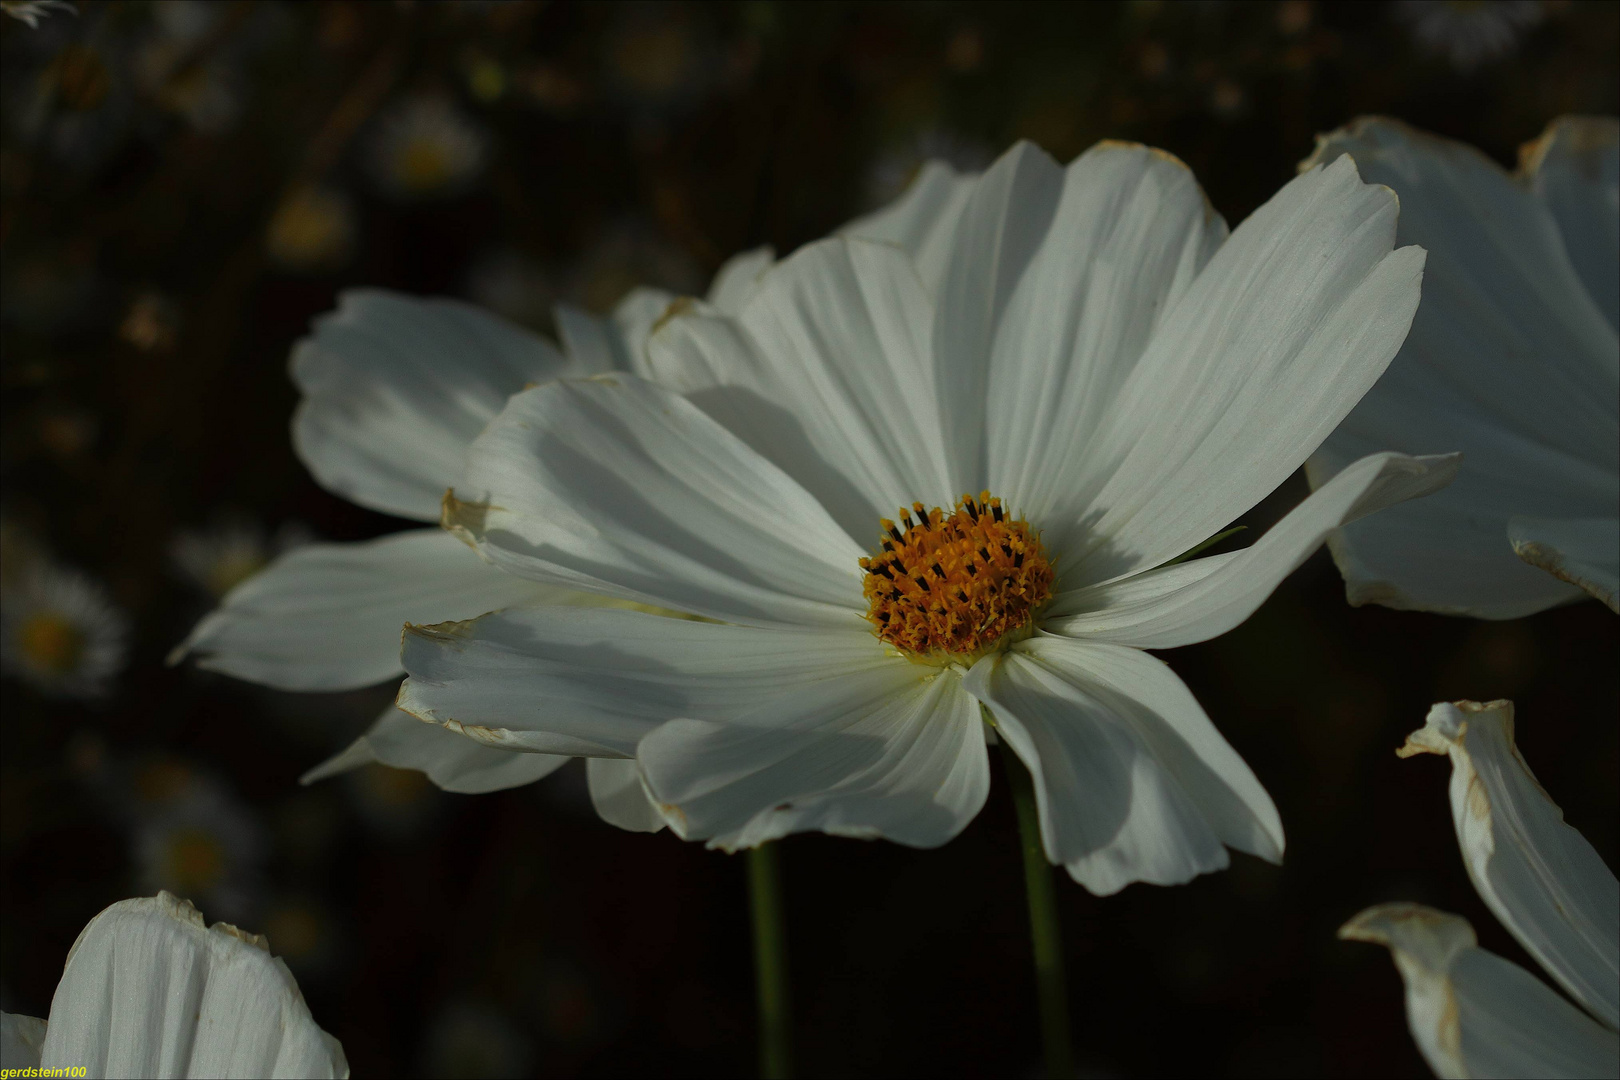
1513 359
60 632
1473 1013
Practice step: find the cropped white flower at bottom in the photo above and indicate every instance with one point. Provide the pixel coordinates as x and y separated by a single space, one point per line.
149 990
893 506
1473 1013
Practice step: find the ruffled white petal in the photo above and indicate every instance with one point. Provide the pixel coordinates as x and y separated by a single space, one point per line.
328 616
739 277
1132 781
401 741
618 795
20 1040
594 681
1474 1014
1130 232
1575 168
1281 334
149 991
1189 602
1508 361
922 221
395 387
623 487
1582 551
1540 877
826 373
894 751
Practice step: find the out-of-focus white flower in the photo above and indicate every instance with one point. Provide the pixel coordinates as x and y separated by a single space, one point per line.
312 230
1473 1013
395 389
61 632
1109 377
219 558
1513 359
149 990
193 837
1470 32
425 147
31 11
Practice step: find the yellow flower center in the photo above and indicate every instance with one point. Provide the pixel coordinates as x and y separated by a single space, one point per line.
51 642
424 165
196 861
956 585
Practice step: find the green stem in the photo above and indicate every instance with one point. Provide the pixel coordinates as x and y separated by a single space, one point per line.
1050 985
770 964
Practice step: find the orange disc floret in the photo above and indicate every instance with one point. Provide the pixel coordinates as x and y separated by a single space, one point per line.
955 583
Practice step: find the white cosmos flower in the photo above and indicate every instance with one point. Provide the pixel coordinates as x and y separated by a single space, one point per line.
1513 359
148 990
1109 376
61 632
1472 1012
395 388
425 147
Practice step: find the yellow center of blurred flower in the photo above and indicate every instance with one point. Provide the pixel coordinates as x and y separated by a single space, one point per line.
310 228
51 642
956 585
195 862
231 570
424 165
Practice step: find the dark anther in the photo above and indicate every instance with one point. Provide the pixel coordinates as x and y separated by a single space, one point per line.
922 583
972 511
1018 560
939 571
1007 550
962 595
894 532
883 616
882 568
971 571
996 510
986 553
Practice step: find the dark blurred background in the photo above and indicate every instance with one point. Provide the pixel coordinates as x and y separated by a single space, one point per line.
185 185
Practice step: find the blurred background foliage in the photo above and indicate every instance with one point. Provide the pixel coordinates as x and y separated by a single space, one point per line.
186 184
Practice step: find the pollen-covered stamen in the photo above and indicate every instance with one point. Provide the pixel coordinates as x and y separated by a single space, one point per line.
956 583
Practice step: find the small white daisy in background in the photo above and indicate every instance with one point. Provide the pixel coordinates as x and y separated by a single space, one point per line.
150 990
425 147
61 632
472 1039
312 230
658 65
1470 32
194 838
897 167
219 558
303 932
31 11
1472 1012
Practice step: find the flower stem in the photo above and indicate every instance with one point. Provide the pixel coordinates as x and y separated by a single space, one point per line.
770 963
1050 985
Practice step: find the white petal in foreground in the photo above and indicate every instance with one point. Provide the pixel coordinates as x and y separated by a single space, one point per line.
1288 325
896 751
620 486
329 616
395 387
1541 878
148 990
454 763
617 794
1582 551
1474 1014
593 682
1575 168
1132 781
1203 598
20 1040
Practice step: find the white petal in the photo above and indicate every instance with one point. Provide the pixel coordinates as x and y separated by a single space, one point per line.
1281 334
1538 875
1132 781
1575 168
923 220
20 1040
635 317
1001 228
1508 361
617 794
1584 552
454 763
594 344
149 991
620 486
328 616
738 278
1131 231
895 751
594 681
826 373
1187 602
395 387
1474 1014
